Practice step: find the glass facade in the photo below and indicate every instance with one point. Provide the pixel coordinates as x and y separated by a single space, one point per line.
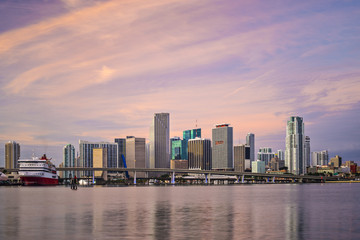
86 154
200 154
121 142
265 155
160 141
294 150
192 133
187 135
69 160
250 141
222 147
179 149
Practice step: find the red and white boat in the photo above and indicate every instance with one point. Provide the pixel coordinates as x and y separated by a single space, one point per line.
37 171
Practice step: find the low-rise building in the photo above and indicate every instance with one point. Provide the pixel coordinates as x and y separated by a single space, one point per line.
258 166
179 164
276 164
336 161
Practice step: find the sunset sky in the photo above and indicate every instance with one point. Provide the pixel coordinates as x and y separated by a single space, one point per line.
97 70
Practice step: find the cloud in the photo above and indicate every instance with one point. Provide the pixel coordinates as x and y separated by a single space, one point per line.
113 64
105 74
142 47
339 92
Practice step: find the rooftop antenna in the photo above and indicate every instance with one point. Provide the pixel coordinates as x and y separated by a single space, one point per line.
196 129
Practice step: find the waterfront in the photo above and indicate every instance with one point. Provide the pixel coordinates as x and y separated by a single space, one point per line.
278 211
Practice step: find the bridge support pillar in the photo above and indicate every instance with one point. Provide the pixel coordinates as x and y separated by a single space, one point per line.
207 178
243 179
134 177
173 178
273 179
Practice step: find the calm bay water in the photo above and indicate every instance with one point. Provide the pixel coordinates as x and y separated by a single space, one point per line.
259 211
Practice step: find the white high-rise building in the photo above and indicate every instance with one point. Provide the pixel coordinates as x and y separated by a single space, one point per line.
250 141
281 154
265 155
69 159
294 152
307 153
222 147
324 157
160 141
319 158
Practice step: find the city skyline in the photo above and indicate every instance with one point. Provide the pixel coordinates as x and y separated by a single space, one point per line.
99 70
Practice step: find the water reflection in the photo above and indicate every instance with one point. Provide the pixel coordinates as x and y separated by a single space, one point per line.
9 214
295 213
162 224
227 212
223 220
70 223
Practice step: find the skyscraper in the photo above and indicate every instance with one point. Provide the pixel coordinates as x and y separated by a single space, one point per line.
239 158
250 141
178 148
187 135
265 155
192 133
319 158
12 154
159 141
199 151
121 142
222 147
86 154
281 154
69 159
307 153
135 154
324 157
294 151
247 157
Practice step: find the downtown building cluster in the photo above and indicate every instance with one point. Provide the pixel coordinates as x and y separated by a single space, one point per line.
193 152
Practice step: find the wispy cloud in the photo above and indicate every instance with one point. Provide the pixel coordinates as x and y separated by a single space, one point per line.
115 63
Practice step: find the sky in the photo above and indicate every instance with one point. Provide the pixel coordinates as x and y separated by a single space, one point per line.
98 70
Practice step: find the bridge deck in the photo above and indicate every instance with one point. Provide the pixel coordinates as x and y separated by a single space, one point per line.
190 171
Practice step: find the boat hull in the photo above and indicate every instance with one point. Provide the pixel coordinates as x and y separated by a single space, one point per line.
39 181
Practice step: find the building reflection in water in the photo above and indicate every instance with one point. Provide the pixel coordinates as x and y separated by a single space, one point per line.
9 215
294 212
163 224
70 223
223 222
279 211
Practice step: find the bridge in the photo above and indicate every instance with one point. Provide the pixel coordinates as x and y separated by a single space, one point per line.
207 173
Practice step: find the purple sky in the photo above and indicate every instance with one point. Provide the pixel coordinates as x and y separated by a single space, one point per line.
96 70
